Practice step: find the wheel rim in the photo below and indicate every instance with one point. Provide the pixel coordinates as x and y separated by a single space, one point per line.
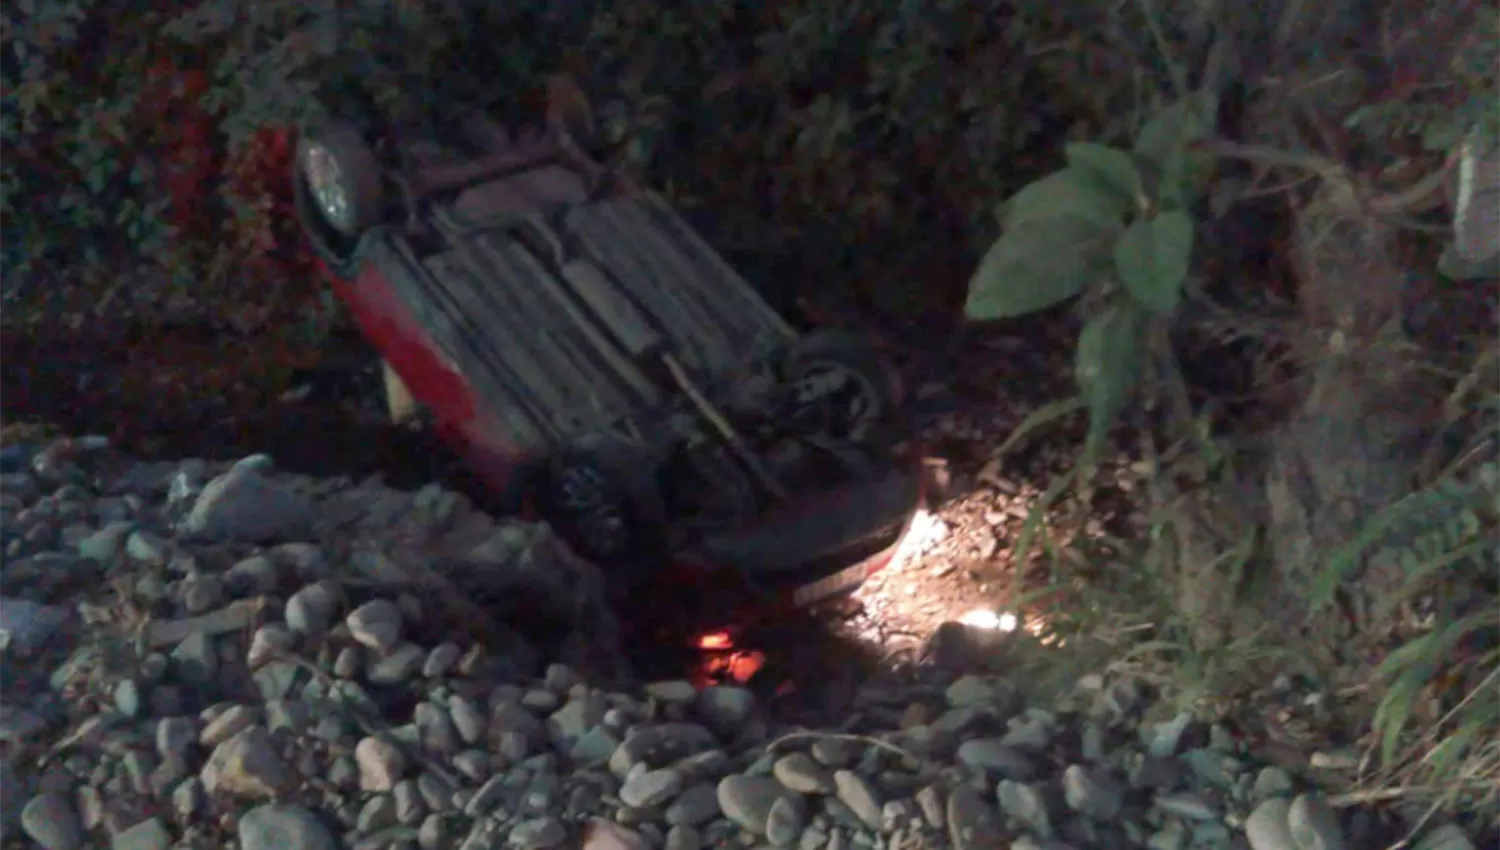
846 399
596 519
326 182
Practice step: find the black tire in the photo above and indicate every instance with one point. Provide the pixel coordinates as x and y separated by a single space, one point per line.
583 502
869 390
338 150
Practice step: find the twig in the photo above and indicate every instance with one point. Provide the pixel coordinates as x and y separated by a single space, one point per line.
1386 795
1272 156
843 736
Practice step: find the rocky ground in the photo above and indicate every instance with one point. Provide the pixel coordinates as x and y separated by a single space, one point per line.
203 655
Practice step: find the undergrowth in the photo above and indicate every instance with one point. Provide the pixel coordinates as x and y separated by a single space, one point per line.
1130 162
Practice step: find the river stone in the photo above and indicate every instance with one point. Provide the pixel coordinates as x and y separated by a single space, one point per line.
283 827
51 821
243 505
1314 825
747 800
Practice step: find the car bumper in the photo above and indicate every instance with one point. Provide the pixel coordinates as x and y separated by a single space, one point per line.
829 541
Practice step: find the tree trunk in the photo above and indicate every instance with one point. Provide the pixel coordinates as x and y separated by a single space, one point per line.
1352 447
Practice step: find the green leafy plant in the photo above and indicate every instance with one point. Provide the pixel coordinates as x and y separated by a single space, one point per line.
1112 221
1436 719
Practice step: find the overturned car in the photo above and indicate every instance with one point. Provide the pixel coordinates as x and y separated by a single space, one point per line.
596 362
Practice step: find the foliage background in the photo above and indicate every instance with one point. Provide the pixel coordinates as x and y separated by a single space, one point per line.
858 153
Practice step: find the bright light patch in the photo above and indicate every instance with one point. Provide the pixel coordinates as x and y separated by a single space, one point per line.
983 618
925 531
715 641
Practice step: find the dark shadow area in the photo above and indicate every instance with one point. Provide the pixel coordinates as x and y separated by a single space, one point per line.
100 381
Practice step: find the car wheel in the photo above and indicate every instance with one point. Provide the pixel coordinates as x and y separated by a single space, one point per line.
838 386
590 510
341 176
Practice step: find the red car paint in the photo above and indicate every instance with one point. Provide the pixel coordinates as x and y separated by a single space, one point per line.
461 422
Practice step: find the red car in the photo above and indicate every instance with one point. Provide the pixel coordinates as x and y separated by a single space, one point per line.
596 362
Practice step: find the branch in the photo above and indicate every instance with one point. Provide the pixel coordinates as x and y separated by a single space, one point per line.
1263 155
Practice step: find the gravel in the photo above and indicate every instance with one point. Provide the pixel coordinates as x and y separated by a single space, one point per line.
223 656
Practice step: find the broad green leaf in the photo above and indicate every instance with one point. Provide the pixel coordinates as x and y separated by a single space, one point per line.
1067 192
1107 366
1114 167
1152 258
1035 266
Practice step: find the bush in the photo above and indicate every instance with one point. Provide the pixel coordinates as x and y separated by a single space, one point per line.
136 135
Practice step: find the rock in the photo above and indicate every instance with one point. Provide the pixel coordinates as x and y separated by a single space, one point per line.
1092 793
970 692
381 764
785 821
283 827
410 808
105 544
972 824
993 756
601 834
26 626
1026 804
435 729
11 788
799 772
128 697
440 660
310 610
175 736
248 765
147 835
1267 828
747 800
833 752
1445 837
651 788
244 505
51 821
660 744
725 708
860 796
375 624
254 576
695 806
1272 782
933 805
678 838
231 722
538 833
1314 825
573 720
468 720
1188 806
676 692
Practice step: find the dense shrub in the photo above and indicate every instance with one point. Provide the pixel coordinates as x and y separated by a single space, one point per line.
137 134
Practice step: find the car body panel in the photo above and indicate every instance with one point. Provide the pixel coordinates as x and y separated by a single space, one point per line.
489 249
